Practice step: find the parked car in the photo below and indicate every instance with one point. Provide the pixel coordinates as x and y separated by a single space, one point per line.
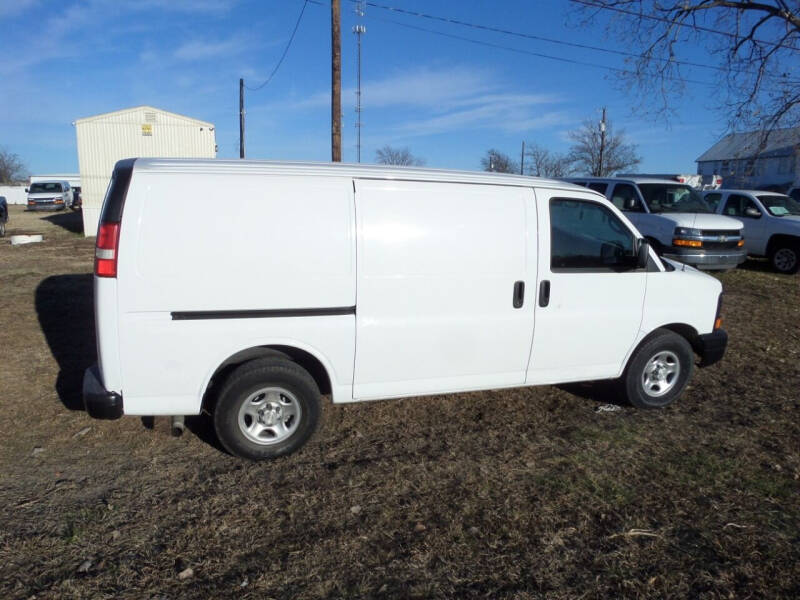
3 215
370 282
771 224
49 195
675 219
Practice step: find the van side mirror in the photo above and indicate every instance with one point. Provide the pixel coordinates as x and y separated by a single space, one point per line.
642 254
752 212
26 190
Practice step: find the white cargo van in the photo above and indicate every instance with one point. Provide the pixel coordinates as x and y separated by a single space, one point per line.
247 289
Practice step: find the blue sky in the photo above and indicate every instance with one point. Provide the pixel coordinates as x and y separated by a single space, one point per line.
447 99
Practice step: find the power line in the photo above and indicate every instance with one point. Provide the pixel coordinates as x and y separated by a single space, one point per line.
641 15
285 51
530 53
453 21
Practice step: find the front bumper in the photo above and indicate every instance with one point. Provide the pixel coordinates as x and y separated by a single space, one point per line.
99 402
711 347
45 206
707 259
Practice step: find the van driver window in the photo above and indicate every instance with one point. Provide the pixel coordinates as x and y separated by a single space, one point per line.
587 236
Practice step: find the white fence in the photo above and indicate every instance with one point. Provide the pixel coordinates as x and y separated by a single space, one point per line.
15 194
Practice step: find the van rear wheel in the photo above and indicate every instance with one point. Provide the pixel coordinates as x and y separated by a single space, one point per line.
658 371
266 408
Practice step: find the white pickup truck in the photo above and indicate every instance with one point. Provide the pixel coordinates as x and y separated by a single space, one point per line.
675 219
771 224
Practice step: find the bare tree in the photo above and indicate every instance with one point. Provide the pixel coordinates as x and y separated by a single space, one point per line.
498 162
598 155
12 168
389 155
540 162
750 45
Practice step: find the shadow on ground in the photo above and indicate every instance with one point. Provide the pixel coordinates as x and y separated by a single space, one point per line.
762 265
606 392
69 220
65 308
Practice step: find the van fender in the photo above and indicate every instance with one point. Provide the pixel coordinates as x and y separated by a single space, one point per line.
339 392
686 331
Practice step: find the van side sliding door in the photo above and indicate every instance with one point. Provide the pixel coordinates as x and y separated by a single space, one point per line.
590 295
445 287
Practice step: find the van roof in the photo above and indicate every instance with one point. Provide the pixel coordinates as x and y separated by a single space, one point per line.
631 179
265 167
751 192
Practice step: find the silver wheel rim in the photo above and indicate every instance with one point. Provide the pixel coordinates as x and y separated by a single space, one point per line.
661 373
785 259
270 415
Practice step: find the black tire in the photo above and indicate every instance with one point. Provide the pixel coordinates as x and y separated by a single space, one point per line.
656 357
785 258
285 385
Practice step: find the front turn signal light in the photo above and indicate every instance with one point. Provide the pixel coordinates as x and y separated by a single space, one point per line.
689 243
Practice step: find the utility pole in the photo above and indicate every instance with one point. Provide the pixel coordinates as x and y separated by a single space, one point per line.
336 82
359 30
602 144
241 118
522 159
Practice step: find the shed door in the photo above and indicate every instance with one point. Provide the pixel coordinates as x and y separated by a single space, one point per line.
438 264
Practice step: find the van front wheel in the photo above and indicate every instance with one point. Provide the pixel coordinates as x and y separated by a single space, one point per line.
266 408
658 371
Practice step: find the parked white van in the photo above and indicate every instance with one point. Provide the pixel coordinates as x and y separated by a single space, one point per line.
247 289
674 219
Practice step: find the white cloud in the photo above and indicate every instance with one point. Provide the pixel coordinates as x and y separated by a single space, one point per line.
204 49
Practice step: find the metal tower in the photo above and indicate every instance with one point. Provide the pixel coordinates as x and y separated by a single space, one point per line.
359 30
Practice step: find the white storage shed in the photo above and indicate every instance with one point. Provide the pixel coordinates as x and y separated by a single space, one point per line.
142 131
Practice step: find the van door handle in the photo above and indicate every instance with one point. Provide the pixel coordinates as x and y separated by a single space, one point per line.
519 294
544 293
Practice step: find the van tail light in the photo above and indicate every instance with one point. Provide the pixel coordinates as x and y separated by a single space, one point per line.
718 316
106 250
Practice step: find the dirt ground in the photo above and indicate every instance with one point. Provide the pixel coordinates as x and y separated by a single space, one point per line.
529 493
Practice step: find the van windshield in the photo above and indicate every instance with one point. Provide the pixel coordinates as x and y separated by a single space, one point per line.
667 197
45 187
780 206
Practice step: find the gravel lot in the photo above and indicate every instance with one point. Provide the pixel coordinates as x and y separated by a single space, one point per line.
529 493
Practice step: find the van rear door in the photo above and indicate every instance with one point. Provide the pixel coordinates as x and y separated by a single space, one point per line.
589 301
444 287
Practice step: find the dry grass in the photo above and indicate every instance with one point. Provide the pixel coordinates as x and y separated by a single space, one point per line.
516 494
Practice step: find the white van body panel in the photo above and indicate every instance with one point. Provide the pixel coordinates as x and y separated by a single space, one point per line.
172 376
437 267
230 243
592 320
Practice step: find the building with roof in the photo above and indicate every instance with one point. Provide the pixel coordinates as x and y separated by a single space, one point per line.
142 131
744 163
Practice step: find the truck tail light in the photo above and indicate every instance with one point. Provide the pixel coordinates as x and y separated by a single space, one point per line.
105 253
